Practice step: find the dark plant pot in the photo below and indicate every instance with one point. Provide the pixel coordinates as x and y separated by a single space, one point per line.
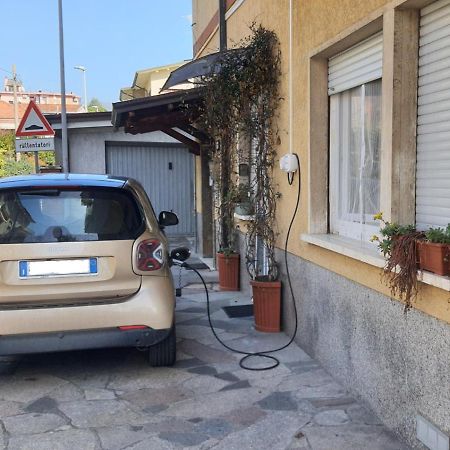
243 209
267 305
228 266
434 257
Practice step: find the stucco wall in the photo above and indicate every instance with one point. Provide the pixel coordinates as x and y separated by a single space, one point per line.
202 13
397 363
315 23
87 146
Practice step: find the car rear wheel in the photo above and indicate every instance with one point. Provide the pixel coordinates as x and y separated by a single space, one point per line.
164 353
8 365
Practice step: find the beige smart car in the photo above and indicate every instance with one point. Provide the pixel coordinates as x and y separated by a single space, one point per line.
84 264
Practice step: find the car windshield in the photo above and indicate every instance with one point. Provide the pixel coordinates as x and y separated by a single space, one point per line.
68 215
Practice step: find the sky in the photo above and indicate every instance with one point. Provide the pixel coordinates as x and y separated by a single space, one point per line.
111 38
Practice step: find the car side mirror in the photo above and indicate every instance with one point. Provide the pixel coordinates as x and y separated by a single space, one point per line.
167 219
180 254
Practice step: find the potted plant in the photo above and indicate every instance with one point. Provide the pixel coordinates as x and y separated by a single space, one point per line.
398 244
260 105
217 117
240 97
260 256
228 260
434 251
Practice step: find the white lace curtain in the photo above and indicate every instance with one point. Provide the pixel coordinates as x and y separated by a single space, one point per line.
355 139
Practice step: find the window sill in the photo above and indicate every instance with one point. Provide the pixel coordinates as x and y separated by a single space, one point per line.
368 254
246 218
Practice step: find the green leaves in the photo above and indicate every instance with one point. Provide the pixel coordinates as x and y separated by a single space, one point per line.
438 235
8 164
239 111
389 232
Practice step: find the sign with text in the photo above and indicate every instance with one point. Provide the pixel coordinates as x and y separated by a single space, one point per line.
35 145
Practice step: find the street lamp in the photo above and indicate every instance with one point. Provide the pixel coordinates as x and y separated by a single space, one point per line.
83 69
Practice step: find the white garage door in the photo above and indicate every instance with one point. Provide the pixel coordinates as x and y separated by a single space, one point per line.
167 173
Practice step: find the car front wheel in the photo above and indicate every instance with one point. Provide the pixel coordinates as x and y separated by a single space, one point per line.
164 353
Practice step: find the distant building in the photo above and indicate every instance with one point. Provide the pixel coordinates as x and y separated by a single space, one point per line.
49 102
148 82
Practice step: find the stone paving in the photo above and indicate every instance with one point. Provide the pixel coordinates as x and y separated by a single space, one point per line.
112 399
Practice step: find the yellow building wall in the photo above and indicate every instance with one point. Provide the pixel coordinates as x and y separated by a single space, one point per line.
157 81
315 22
203 12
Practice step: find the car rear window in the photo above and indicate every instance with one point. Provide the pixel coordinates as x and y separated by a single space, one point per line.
68 215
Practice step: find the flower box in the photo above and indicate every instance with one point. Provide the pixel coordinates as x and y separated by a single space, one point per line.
434 257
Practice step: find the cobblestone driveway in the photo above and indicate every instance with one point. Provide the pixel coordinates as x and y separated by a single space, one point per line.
112 400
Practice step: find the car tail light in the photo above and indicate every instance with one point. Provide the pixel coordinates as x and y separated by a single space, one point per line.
150 255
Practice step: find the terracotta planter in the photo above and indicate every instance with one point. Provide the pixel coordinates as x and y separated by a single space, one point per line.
228 271
434 257
267 305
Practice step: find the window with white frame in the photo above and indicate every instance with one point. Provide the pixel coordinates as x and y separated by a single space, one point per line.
354 87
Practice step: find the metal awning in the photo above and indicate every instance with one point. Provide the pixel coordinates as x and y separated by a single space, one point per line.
206 65
165 112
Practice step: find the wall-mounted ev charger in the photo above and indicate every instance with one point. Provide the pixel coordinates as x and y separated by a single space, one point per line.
289 163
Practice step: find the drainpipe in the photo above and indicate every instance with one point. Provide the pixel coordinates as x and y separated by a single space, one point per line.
224 163
222 25
291 91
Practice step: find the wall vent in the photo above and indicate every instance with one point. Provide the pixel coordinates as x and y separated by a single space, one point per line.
430 435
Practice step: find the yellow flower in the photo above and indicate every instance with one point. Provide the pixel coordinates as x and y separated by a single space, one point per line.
378 216
374 238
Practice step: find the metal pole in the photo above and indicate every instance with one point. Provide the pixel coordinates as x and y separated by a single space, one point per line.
36 162
83 69
85 91
222 25
16 112
65 151
291 103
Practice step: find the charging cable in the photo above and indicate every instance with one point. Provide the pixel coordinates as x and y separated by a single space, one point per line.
262 354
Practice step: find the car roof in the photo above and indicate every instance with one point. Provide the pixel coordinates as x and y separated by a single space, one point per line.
62 179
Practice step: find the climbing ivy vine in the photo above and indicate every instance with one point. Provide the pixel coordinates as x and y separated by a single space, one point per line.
240 104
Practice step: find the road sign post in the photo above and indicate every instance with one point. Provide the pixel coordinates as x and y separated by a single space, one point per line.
34 133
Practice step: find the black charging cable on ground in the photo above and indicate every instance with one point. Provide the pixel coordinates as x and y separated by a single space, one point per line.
261 354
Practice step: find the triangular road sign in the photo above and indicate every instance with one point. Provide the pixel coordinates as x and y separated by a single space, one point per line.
33 123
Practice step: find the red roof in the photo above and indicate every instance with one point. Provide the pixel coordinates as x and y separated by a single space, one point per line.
7 109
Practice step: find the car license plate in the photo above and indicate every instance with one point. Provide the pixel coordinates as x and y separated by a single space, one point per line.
56 268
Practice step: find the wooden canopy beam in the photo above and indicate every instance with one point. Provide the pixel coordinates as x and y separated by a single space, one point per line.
200 135
194 147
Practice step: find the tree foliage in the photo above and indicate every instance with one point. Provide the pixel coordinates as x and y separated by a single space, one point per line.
96 106
8 164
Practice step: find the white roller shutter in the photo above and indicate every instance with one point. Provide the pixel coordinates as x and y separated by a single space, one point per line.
433 121
357 65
